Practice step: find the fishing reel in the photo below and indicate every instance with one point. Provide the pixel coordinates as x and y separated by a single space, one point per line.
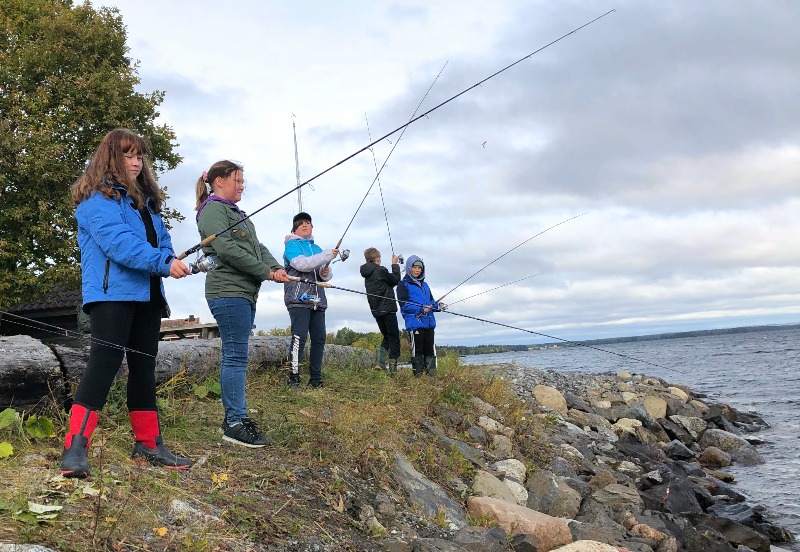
311 299
400 260
203 264
344 254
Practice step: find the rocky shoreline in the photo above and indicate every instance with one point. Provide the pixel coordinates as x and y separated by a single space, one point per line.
583 463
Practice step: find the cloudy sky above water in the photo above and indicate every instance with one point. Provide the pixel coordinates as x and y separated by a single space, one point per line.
671 128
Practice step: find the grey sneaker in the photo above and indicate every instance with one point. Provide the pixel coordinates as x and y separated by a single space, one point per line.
245 433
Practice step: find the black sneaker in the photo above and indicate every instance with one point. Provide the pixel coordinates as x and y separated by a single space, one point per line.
245 433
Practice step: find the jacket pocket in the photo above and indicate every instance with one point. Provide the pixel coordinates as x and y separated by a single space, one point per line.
105 276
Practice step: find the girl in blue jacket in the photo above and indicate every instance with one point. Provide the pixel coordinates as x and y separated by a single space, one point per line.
125 251
417 306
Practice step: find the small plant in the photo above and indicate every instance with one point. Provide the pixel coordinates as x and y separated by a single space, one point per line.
456 396
210 386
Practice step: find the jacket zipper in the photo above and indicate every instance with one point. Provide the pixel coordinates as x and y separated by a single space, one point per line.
105 278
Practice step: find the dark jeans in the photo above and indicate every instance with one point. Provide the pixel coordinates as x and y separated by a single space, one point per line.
422 344
304 322
234 316
387 324
118 324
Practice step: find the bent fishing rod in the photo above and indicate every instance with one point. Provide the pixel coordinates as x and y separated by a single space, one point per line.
212 237
507 252
447 311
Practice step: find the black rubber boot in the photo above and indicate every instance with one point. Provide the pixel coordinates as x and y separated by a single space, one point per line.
430 366
417 365
392 367
381 355
75 460
160 456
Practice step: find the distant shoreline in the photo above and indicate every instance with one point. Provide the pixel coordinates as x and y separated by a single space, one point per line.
463 350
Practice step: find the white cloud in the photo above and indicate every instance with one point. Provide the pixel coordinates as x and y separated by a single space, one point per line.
672 126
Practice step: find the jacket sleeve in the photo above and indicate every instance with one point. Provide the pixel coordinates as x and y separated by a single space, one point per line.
102 219
164 241
214 218
406 307
302 262
392 278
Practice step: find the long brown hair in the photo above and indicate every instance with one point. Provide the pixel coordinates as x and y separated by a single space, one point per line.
108 163
205 184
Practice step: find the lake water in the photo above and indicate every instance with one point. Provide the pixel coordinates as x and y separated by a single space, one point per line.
753 372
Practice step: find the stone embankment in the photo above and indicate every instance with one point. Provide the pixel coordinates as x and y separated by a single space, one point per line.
636 464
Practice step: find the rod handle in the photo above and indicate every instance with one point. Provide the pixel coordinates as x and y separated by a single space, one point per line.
299 279
197 247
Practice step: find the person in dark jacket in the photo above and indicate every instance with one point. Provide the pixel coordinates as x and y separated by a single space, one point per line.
380 284
417 306
305 300
125 252
232 289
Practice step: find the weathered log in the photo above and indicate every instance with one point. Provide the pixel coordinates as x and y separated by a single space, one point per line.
31 371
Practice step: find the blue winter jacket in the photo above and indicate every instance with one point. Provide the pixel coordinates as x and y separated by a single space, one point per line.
116 259
304 258
413 294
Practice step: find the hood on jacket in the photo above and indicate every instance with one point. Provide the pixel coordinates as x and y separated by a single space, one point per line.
409 263
290 237
367 269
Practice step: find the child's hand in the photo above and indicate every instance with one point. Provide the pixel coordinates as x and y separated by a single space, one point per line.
426 309
335 253
395 259
325 271
178 270
279 276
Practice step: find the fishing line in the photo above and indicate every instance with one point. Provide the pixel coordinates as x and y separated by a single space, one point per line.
378 174
212 237
380 188
506 253
327 285
43 326
488 290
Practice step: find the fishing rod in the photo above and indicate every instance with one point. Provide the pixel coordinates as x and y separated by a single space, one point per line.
212 237
380 189
57 330
378 171
328 285
494 288
507 252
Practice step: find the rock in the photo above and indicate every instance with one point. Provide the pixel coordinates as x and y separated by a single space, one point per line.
714 457
680 393
551 398
479 539
618 497
722 439
486 484
587 546
429 497
515 520
655 406
550 494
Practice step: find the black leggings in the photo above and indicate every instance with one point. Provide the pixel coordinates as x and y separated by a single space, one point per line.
131 324
387 324
422 342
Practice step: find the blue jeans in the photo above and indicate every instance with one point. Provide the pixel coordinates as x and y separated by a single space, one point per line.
235 317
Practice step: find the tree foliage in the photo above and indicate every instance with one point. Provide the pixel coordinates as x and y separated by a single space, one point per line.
65 81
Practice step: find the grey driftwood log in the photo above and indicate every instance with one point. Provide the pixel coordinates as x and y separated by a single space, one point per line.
32 372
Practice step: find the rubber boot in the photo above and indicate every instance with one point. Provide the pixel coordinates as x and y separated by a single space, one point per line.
417 365
381 356
430 366
149 445
74 459
392 367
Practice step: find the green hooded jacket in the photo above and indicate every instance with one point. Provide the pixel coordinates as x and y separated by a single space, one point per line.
242 261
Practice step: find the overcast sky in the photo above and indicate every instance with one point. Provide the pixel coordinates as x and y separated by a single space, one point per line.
672 125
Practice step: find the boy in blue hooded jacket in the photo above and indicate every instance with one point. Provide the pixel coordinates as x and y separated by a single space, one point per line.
417 306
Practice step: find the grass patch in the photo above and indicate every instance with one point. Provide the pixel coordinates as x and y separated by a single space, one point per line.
332 449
